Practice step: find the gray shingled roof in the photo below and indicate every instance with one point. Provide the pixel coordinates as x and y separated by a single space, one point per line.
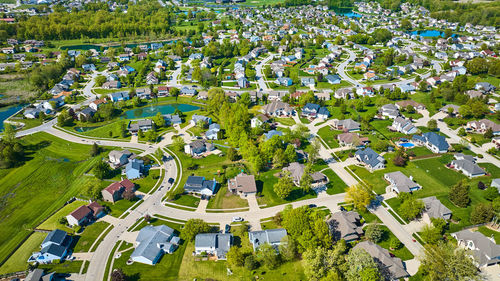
434 208
393 266
270 236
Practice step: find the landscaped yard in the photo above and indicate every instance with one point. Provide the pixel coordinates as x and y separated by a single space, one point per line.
88 236
53 222
336 184
65 267
402 253
226 200
51 175
187 200
18 260
285 121
329 136
147 183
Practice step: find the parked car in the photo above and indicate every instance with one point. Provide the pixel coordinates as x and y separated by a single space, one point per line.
237 219
170 180
227 228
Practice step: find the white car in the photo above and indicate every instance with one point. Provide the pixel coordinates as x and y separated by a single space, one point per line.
237 219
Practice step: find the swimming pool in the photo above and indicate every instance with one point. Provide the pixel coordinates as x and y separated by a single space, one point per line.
407 144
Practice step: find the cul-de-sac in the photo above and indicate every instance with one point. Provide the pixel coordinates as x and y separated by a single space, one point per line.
214 140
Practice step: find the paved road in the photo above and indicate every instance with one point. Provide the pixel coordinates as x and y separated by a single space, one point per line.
260 73
342 66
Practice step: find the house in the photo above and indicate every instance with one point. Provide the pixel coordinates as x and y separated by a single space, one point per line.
134 169
323 113
54 248
278 108
199 185
200 118
446 109
496 183
401 183
163 91
258 120
485 251
296 171
198 147
243 82
86 113
403 125
38 274
172 119
143 125
352 139
215 244
213 132
88 67
119 158
389 110
153 242
333 79
284 81
85 214
347 125
97 103
307 81
485 87
344 93
112 85
434 142
243 185
483 125
273 133
370 158
435 209
272 237
310 110
114 191
392 267
467 166
405 103
188 91
345 225
118 96
32 113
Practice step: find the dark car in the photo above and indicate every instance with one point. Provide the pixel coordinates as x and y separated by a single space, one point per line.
170 180
312 206
227 228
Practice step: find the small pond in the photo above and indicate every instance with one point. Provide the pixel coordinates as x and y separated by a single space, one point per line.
430 33
152 110
6 112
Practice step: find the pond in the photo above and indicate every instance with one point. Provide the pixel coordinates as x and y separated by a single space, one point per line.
430 33
85 129
163 109
346 12
6 112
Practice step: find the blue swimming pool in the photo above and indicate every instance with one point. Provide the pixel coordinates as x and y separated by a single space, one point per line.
407 144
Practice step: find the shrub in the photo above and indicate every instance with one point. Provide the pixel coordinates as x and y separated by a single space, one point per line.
374 233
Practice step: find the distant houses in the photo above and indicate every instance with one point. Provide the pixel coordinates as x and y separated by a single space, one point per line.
153 242
213 244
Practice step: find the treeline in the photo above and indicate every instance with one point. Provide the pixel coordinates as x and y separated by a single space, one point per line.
330 3
144 19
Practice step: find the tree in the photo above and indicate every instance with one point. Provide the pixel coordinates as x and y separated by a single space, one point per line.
361 266
306 180
159 120
284 186
279 158
411 208
118 275
99 80
235 257
482 213
325 264
92 189
461 132
287 249
178 143
268 256
459 194
423 86
95 150
432 124
491 193
360 195
102 170
9 133
430 234
406 24
290 154
374 233
313 150
232 154
489 133
251 263
445 261
395 244
192 227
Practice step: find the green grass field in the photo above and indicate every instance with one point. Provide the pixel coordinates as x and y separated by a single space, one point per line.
329 136
402 253
226 200
33 191
18 260
53 222
336 184
89 235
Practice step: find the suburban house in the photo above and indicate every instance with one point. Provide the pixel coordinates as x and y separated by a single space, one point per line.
243 185
401 183
392 267
370 158
119 158
134 169
278 108
446 109
284 81
312 110
213 132
405 103
467 165
118 96
345 225
389 110
273 133
485 251
352 139
86 113
258 120
333 79
172 119
347 125
483 125
38 274
199 185
272 237
114 191
496 183
97 103
85 214
434 142
214 244
143 125
435 209
198 148
54 248
200 118
153 242
403 126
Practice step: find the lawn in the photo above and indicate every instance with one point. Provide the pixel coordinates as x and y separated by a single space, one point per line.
490 232
329 136
65 267
265 182
51 175
226 200
147 183
166 269
17 262
13 86
285 121
187 200
89 235
119 207
336 184
192 269
101 130
53 222
402 253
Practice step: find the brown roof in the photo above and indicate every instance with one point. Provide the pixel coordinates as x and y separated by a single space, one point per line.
95 207
81 212
405 103
244 183
114 187
127 184
99 101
